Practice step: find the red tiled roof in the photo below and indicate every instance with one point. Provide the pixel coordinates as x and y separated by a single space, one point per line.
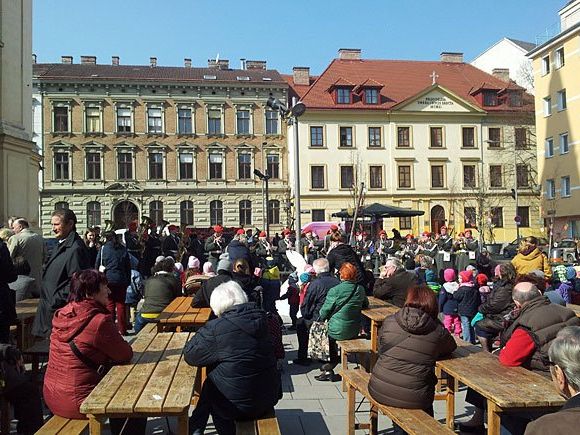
297 90
403 79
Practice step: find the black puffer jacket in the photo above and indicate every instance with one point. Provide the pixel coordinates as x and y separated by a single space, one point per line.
410 342
343 253
239 353
203 295
498 304
468 300
394 288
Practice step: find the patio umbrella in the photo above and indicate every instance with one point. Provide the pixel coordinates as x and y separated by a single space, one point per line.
377 210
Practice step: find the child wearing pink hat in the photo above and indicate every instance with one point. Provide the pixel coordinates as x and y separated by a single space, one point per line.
448 304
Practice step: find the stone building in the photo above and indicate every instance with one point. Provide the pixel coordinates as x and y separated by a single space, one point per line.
178 144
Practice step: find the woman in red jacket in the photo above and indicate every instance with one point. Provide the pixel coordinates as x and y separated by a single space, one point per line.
84 341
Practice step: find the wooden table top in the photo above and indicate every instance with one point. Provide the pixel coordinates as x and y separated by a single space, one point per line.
26 308
158 381
508 387
575 308
380 313
376 302
180 313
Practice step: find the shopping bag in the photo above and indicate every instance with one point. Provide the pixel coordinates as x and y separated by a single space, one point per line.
318 346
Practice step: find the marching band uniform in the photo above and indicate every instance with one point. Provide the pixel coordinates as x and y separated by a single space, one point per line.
132 241
215 245
286 244
311 246
263 248
170 245
466 250
444 258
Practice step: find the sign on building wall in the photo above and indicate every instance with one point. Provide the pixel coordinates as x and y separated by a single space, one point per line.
435 101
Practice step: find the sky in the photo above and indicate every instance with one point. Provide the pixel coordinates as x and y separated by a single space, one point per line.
285 34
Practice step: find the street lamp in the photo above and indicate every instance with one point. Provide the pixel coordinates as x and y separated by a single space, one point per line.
265 177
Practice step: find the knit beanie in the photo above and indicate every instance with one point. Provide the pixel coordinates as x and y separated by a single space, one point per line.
193 263
224 263
305 277
570 272
207 267
559 272
465 276
430 276
481 279
178 267
449 275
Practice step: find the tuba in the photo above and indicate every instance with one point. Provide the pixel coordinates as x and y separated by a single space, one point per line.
109 226
144 226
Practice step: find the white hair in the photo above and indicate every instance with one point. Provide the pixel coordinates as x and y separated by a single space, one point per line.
321 265
565 353
225 296
392 261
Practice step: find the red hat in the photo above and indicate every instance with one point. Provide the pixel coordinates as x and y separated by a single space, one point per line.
466 275
172 227
382 232
334 227
262 234
218 228
286 231
467 231
481 279
240 232
132 226
409 236
426 234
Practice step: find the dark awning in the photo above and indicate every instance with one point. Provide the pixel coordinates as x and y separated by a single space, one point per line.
379 210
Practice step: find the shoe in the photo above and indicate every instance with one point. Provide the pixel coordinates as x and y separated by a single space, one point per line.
327 367
467 428
302 361
325 376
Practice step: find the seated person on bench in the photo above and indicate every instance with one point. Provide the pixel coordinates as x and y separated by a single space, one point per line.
410 341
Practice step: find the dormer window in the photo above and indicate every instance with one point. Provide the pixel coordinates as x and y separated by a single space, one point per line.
515 99
489 98
371 96
343 95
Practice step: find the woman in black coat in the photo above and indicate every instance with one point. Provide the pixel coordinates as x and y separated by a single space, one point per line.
242 381
341 253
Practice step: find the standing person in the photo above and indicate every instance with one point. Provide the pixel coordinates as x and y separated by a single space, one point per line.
26 243
93 245
410 342
68 257
263 249
238 249
530 258
170 245
341 253
448 304
468 301
7 299
444 257
286 244
132 241
393 282
215 245
342 308
151 252
113 259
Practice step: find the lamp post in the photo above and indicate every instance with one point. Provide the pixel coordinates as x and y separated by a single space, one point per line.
265 178
517 218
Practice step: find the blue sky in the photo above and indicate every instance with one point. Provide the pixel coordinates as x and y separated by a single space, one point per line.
285 33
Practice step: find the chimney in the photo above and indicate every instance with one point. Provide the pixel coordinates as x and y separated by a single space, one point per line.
349 53
152 61
66 59
187 62
448 56
301 75
115 60
33 58
242 63
256 64
88 60
501 73
219 64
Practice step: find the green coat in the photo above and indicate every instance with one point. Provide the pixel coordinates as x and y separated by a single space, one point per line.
344 324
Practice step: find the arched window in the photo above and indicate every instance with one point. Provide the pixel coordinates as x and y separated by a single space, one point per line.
186 212
61 205
274 212
93 214
245 212
156 212
216 212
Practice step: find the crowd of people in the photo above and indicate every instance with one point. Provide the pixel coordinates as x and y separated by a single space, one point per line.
94 290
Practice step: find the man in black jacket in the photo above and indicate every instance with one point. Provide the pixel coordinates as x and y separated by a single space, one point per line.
224 274
310 308
393 283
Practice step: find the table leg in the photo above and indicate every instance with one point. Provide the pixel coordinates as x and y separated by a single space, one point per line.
183 424
374 420
374 344
493 418
344 365
450 401
96 424
350 404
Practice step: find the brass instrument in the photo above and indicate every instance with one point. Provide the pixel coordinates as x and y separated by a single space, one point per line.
109 226
181 246
144 226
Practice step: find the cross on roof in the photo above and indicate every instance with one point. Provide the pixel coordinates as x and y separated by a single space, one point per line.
434 76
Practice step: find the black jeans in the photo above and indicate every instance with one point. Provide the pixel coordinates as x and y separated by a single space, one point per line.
333 352
302 331
293 312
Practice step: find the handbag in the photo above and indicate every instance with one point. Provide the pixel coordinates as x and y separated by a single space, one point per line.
102 267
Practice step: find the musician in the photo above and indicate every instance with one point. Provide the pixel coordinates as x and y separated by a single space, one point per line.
466 250
132 240
215 245
427 246
151 252
311 246
327 242
384 247
409 248
445 257
286 244
364 248
263 248
170 245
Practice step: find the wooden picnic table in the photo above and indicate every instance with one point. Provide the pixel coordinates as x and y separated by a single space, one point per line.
157 383
25 314
506 389
377 313
179 314
376 302
575 308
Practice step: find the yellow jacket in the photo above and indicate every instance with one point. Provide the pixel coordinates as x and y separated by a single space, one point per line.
535 260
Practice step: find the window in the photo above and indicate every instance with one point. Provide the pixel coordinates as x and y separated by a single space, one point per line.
404 172
125 165
549 147
93 166
469 176
123 119
93 119
522 175
562 105
346 136
186 212
273 165
61 166
469 217
244 166
376 177
497 217
550 189
184 121
521 135
93 214
468 137
559 57
154 121
564 144
565 186
271 122
343 95
403 137
374 137
436 137
547 106
245 212
316 137
156 212
515 98
61 119
371 96
437 176
346 177
318 215
243 121
61 205
546 65
405 223
489 98
495 176
274 212
216 212
186 166
494 137
214 121
155 166
317 177
215 166
524 215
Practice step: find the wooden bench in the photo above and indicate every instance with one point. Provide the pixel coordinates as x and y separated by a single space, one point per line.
413 421
354 346
180 315
267 425
64 426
